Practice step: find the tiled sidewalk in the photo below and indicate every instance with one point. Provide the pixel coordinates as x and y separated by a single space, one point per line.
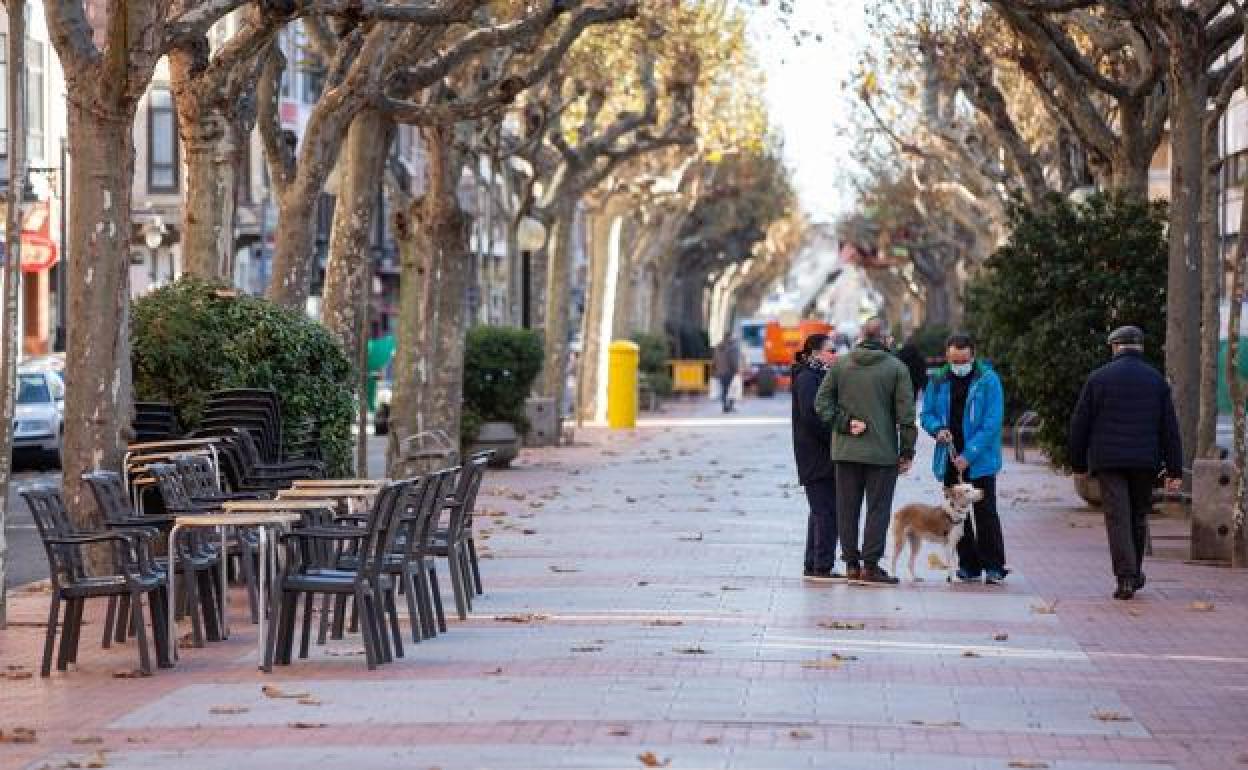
659 575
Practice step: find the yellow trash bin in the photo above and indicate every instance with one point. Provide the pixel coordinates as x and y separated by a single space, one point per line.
624 357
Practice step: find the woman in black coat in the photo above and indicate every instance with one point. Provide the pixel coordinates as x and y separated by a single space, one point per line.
811 447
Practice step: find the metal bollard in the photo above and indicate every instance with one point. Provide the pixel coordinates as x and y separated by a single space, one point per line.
624 358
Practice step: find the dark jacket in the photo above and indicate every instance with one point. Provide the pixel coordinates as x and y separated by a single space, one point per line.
871 385
1125 420
812 437
916 364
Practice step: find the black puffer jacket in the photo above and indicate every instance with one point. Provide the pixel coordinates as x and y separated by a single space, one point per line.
811 435
1125 420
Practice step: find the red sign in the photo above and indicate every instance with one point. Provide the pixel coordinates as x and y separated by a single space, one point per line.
38 249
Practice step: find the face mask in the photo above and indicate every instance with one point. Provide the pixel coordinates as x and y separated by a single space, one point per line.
961 370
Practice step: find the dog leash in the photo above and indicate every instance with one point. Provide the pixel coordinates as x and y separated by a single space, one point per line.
952 459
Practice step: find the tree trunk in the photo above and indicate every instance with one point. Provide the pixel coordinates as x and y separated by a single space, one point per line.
294 251
1210 280
208 209
1183 284
411 355
602 237
16 89
558 312
98 388
1239 454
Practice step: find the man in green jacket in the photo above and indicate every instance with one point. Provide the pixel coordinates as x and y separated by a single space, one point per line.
868 400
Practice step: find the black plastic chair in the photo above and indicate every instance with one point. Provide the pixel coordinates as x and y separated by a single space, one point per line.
411 562
307 573
131 574
453 543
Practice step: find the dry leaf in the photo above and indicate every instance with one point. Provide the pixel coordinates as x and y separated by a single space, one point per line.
923 723
693 538
95 761
730 588
1027 763
587 648
841 625
16 674
17 735
619 732
649 759
273 691
971 654
711 741
528 531
801 735
494 672
133 673
87 740
691 651
935 562
563 569
1000 637
1045 609
227 710
665 622
630 499
307 725
526 617
1200 606
335 653
832 662
1110 716
1134 612
308 702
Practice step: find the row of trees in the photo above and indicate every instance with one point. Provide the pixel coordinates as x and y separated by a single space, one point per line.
976 103
642 115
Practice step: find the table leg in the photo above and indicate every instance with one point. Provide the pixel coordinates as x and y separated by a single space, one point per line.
262 589
225 576
172 578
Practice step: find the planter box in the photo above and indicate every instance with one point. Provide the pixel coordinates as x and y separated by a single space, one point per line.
503 438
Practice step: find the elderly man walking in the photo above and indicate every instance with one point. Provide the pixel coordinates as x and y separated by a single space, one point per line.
868 400
1124 431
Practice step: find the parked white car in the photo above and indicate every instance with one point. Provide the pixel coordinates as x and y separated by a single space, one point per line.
39 424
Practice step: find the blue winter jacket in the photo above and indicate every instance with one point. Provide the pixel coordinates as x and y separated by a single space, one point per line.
981 420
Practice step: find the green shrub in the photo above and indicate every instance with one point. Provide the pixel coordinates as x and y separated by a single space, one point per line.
191 338
930 340
1068 275
501 363
653 363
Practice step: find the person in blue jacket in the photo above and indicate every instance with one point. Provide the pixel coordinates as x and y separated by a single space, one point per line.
963 409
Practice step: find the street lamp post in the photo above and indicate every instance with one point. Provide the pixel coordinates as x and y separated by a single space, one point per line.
154 236
530 236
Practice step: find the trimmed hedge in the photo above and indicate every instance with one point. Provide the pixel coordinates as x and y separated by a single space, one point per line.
193 337
501 363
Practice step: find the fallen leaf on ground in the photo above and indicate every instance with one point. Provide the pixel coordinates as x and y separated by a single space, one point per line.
587 648
273 691
563 569
731 588
1200 606
665 622
307 725
643 582
1134 612
935 562
923 723
494 672
333 653
971 654
1110 716
96 760
833 661
649 759
526 617
1027 763
691 651
841 625
130 674
696 536
1045 609
308 702
1001 637
87 740
226 710
619 732
710 741
801 735
630 499
17 735
528 531
17 673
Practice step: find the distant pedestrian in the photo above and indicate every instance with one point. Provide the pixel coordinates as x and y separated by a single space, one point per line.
1124 431
916 365
867 398
963 409
727 368
812 447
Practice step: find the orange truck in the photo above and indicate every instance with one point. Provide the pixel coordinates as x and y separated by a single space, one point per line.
782 341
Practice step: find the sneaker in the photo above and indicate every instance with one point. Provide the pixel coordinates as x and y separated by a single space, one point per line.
822 575
873 575
1140 580
966 576
994 576
1126 588
853 572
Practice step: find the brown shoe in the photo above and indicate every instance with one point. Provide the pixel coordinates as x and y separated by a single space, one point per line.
853 572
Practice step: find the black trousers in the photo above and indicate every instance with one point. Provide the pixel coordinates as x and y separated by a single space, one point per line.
854 483
982 546
1127 496
821 525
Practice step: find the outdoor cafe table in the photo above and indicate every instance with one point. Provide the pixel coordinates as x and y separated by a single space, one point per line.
338 484
261 514
352 495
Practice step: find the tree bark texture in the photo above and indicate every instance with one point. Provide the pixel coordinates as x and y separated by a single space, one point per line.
1239 423
1210 286
1189 90
602 235
16 89
558 313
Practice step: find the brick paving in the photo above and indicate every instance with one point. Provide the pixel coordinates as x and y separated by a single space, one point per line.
669 623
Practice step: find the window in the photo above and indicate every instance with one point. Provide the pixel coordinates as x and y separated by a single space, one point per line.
313 80
34 99
33 389
1236 169
162 142
244 169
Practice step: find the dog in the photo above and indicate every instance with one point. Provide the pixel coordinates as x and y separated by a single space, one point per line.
943 524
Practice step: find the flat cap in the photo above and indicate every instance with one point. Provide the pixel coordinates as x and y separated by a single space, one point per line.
1126 335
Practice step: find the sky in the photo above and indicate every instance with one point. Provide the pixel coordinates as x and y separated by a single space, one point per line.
809 106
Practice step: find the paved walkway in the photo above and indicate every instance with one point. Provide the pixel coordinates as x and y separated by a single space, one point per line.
644 606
